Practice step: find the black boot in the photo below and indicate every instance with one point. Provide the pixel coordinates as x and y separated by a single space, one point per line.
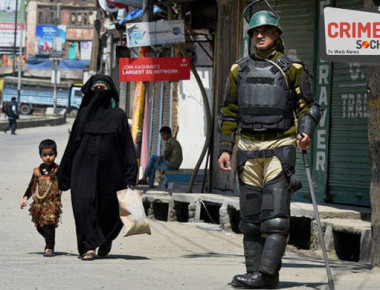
256 280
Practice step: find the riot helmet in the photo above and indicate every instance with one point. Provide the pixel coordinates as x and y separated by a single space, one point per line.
262 18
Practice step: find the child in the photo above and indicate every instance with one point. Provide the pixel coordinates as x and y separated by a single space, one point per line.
43 187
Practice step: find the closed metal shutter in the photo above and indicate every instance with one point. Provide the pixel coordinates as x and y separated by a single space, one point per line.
166 105
297 20
161 116
349 171
156 115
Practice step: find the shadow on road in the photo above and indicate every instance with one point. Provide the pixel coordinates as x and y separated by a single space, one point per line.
108 257
125 257
56 254
284 285
210 254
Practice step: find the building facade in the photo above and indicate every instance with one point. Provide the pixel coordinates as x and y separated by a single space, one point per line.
72 22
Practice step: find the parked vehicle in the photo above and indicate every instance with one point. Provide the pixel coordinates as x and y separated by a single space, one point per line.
37 93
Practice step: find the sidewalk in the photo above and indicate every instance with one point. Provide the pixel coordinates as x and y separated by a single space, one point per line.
29 121
346 230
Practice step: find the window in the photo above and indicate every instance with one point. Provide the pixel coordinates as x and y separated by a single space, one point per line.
47 15
81 18
78 93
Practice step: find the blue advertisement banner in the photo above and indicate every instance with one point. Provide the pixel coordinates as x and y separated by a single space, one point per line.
45 35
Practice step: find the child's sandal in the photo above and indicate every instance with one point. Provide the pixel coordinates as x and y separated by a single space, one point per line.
89 256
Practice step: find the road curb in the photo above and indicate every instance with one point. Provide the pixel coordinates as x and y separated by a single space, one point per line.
341 225
36 122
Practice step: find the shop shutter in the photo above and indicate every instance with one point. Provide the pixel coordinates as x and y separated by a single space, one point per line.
297 20
158 90
155 115
349 170
166 105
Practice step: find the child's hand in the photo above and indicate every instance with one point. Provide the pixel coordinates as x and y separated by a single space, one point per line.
23 203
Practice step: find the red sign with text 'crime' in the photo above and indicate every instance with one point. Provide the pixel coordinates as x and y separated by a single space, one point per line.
154 69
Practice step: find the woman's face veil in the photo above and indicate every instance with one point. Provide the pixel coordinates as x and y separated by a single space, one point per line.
88 92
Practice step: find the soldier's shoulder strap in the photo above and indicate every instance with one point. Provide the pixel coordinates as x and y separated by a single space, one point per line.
243 63
285 61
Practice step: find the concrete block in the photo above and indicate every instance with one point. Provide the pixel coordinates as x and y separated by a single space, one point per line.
300 209
329 238
353 227
172 215
186 197
197 216
366 246
224 218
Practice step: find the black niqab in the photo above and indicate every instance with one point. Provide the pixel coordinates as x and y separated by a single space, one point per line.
87 88
96 112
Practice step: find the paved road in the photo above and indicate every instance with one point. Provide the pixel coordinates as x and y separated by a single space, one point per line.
175 256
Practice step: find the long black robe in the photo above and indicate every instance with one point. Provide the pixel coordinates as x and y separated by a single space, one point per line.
99 160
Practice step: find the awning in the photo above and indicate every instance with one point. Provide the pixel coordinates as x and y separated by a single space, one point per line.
64 64
134 3
136 14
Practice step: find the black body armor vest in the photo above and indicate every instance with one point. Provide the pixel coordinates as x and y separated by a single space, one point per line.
265 101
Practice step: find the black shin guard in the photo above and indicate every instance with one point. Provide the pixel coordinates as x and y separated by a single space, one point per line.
273 251
253 248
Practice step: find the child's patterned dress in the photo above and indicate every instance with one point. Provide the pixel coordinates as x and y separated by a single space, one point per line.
46 206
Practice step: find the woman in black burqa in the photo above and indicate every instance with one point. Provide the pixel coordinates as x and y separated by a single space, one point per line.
99 160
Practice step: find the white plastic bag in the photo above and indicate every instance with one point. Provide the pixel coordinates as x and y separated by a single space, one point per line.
132 212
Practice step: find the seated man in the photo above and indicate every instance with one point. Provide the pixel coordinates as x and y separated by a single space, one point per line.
171 158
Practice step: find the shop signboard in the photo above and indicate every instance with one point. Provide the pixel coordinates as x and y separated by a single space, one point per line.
7 26
154 69
155 33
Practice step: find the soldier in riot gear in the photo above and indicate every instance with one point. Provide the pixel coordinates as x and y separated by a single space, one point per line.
267 94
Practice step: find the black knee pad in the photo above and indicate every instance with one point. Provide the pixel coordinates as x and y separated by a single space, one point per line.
248 227
250 201
276 198
278 225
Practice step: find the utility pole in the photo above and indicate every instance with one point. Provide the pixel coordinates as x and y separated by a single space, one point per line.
20 56
55 86
109 55
139 98
147 10
56 59
95 43
14 40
